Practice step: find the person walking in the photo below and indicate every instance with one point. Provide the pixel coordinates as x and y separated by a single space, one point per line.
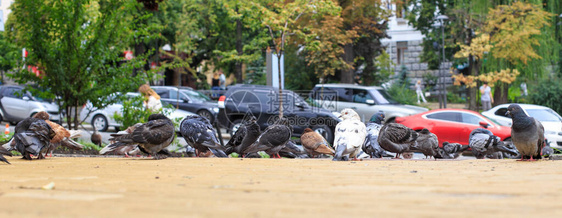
151 98
419 91
486 98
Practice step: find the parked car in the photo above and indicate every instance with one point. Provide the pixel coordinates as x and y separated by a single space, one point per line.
365 100
102 118
551 121
239 101
17 104
187 99
454 125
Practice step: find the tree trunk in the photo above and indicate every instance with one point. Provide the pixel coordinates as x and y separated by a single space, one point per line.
472 91
500 94
279 55
347 75
239 50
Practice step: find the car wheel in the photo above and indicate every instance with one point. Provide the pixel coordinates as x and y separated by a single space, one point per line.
206 114
234 126
326 132
100 122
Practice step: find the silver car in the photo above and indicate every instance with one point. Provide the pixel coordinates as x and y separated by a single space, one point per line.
365 100
17 104
102 118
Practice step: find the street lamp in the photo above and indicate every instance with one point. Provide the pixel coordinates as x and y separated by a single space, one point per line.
442 18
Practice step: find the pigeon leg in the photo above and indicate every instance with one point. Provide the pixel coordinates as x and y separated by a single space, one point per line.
397 156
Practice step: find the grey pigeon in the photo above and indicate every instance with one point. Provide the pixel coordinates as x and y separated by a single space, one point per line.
547 151
3 151
200 134
451 150
272 139
33 137
350 135
427 143
527 133
371 145
397 138
483 142
292 150
150 137
246 135
122 148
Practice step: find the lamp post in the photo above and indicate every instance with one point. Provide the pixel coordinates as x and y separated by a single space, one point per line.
442 19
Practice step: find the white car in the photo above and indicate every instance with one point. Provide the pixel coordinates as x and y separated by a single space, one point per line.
551 120
102 119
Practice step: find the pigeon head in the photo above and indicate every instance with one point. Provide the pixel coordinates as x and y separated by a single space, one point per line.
41 115
514 110
424 131
349 114
156 117
308 130
377 118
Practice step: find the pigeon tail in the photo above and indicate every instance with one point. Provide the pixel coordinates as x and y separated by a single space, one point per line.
69 143
218 153
75 134
339 152
112 147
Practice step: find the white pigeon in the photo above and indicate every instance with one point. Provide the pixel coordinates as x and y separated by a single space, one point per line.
350 135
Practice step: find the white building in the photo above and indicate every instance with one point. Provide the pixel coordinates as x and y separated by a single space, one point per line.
4 11
405 47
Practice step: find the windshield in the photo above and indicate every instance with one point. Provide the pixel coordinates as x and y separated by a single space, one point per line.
544 115
382 97
196 96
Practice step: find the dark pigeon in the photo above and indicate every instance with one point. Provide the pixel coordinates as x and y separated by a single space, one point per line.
292 150
200 134
483 142
527 133
451 150
397 138
96 137
547 151
246 135
371 145
151 137
273 138
3 151
33 137
122 148
427 143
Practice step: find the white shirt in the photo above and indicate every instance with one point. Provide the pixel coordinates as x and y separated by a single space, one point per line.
153 104
486 95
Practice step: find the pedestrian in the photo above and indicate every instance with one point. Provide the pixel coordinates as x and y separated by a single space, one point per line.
486 98
524 89
215 85
419 91
151 98
222 81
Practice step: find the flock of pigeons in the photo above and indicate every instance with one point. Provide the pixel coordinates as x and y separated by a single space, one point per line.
37 136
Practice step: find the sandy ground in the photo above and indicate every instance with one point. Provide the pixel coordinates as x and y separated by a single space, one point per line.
212 187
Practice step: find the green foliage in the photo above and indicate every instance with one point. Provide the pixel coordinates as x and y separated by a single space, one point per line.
10 54
546 92
454 94
430 80
402 93
88 145
133 112
402 77
385 67
5 138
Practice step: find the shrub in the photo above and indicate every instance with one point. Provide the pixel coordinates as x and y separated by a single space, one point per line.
547 92
402 94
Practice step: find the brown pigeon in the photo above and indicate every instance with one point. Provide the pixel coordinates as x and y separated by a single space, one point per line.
62 137
96 137
315 144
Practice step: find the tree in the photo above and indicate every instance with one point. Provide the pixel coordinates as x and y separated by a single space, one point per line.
10 55
283 19
77 45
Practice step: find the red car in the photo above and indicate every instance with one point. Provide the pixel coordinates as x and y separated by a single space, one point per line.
453 125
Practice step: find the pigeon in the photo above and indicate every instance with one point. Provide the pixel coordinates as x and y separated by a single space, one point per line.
397 138
292 150
247 134
547 151
200 134
527 133
350 135
63 136
123 148
96 137
371 145
315 144
272 139
32 137
151 137
451 150
427 143
483 142
3 151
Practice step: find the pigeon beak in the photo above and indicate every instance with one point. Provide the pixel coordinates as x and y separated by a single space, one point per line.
507 113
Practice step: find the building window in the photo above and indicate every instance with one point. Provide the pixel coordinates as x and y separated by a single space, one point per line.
401 48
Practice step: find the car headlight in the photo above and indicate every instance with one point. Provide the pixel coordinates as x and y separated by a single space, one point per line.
216 109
